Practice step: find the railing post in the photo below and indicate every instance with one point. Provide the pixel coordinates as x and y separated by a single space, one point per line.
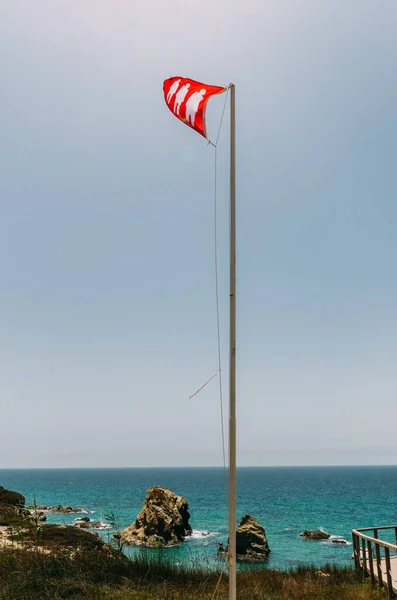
371 564
378 563
395 531
354 540
365 570
388 574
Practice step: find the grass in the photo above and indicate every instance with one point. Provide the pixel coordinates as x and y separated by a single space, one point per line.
91 574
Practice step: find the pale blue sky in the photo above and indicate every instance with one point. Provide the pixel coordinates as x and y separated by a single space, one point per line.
106 232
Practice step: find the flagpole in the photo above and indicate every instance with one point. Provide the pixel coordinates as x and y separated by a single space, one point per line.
232 359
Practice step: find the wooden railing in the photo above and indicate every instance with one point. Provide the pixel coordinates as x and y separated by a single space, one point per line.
376 557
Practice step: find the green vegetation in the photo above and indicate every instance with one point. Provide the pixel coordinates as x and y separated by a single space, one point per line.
89 573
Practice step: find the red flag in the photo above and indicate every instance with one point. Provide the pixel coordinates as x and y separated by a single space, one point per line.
187 100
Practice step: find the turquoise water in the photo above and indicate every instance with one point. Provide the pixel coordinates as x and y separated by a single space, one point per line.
284 500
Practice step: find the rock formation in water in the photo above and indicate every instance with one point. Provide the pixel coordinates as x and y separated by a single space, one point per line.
251 541
163 520
87 523
60 509
65 510
314 534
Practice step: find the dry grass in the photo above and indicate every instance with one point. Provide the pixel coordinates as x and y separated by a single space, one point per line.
91 574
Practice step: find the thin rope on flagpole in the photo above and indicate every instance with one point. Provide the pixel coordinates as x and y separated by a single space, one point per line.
203 386
219 370
223 114
217 281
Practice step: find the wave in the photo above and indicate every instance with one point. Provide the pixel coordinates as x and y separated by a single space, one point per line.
286 530
336 540
201 533
103 525
92 524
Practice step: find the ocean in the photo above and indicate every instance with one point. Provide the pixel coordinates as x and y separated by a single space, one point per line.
285 501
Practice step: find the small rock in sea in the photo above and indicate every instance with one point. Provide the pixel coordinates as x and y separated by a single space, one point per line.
86 523
60 509
339 542
314 534
100 525
39 515
251 541
81 524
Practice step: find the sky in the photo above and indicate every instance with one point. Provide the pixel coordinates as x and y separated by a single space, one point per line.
107 293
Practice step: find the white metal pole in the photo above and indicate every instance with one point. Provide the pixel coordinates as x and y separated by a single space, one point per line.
232 363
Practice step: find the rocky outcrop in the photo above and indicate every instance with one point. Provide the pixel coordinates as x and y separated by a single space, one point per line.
314 534
18 528
163 520
66 510
12 515
12 510
251 541
11 498
53 539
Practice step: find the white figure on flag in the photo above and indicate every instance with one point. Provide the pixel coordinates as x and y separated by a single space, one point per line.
173 89
181 95
192 105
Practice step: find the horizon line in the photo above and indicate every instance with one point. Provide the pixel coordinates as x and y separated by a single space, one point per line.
53 468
